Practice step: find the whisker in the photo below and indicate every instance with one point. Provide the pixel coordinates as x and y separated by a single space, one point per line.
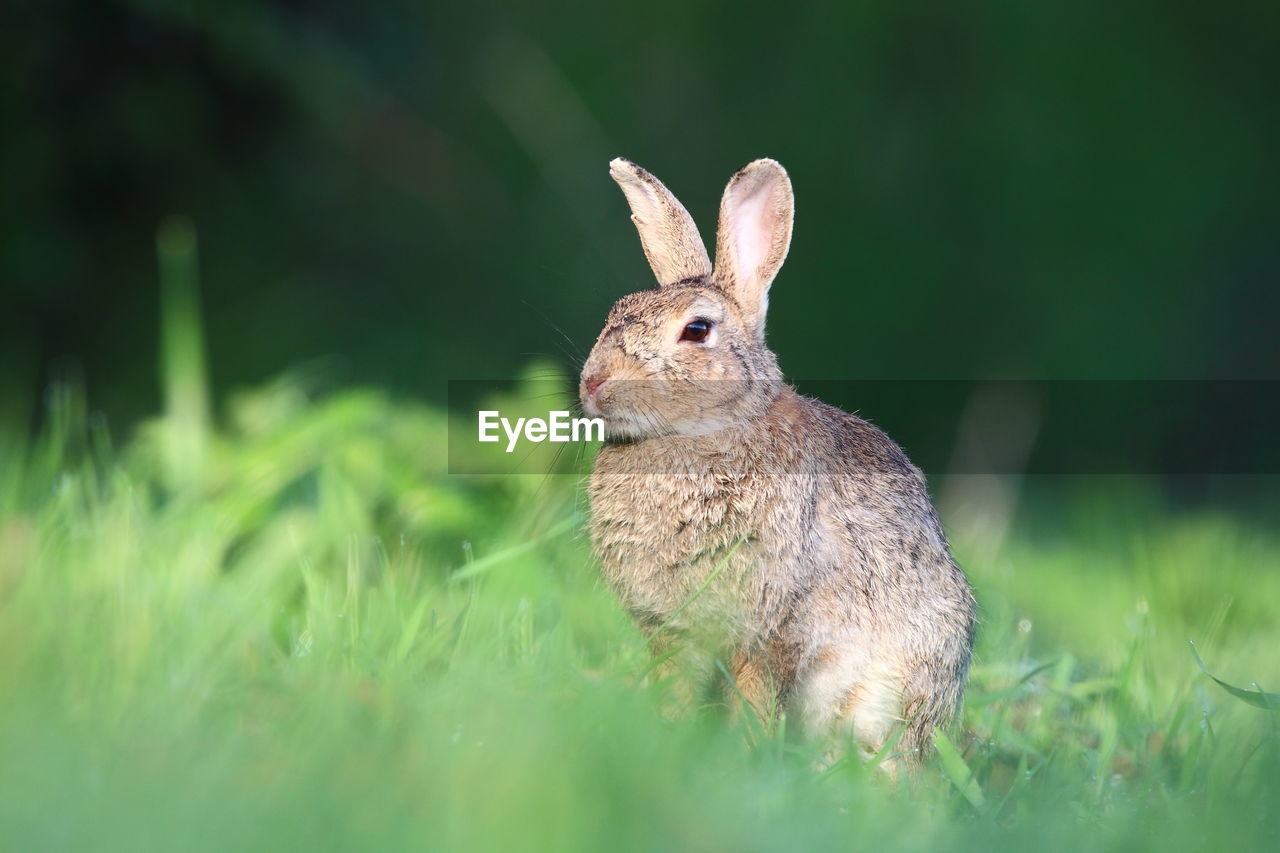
551 469
580 355
550 395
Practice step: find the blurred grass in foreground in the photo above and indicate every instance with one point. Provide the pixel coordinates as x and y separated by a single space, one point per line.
293 628
328 641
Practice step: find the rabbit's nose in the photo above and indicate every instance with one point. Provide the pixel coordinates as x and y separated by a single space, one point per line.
593 383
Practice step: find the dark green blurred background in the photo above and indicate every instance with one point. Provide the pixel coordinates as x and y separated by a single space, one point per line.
419 192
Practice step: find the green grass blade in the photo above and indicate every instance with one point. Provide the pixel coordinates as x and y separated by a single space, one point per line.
1257 697
953 764
490 561
182 362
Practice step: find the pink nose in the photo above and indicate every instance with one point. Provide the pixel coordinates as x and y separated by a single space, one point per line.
593 384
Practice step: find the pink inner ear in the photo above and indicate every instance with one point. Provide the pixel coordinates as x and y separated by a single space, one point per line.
752 233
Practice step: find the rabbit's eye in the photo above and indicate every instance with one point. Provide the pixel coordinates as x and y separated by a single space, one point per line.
696 331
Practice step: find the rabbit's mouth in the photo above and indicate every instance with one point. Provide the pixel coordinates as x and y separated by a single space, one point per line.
631 426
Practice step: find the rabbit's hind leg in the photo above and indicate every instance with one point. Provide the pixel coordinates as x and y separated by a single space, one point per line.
849 697
757 684
681 671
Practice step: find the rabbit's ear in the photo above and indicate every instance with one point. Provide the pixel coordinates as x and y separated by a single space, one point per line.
667 233
755 232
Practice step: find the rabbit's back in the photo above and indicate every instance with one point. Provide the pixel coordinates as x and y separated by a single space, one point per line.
890 617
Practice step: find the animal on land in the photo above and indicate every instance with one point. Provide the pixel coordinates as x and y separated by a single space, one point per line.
740 521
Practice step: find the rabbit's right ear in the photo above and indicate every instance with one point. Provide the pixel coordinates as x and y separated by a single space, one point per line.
667 233
755 232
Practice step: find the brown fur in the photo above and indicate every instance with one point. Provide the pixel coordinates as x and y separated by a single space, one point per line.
834 591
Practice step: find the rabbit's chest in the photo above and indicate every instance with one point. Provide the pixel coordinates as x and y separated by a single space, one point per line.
677 541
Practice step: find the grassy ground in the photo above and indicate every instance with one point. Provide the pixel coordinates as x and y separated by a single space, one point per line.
297 630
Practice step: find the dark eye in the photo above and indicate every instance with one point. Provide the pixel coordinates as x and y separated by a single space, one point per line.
696 331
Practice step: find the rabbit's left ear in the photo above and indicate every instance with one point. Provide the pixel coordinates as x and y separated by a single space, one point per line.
667 233
755 232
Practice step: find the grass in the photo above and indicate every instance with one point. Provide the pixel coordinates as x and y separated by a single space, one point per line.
292 628
322 639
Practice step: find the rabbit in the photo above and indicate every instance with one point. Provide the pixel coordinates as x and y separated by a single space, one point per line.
741 522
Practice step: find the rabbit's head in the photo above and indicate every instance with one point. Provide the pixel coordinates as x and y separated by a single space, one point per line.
689 357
